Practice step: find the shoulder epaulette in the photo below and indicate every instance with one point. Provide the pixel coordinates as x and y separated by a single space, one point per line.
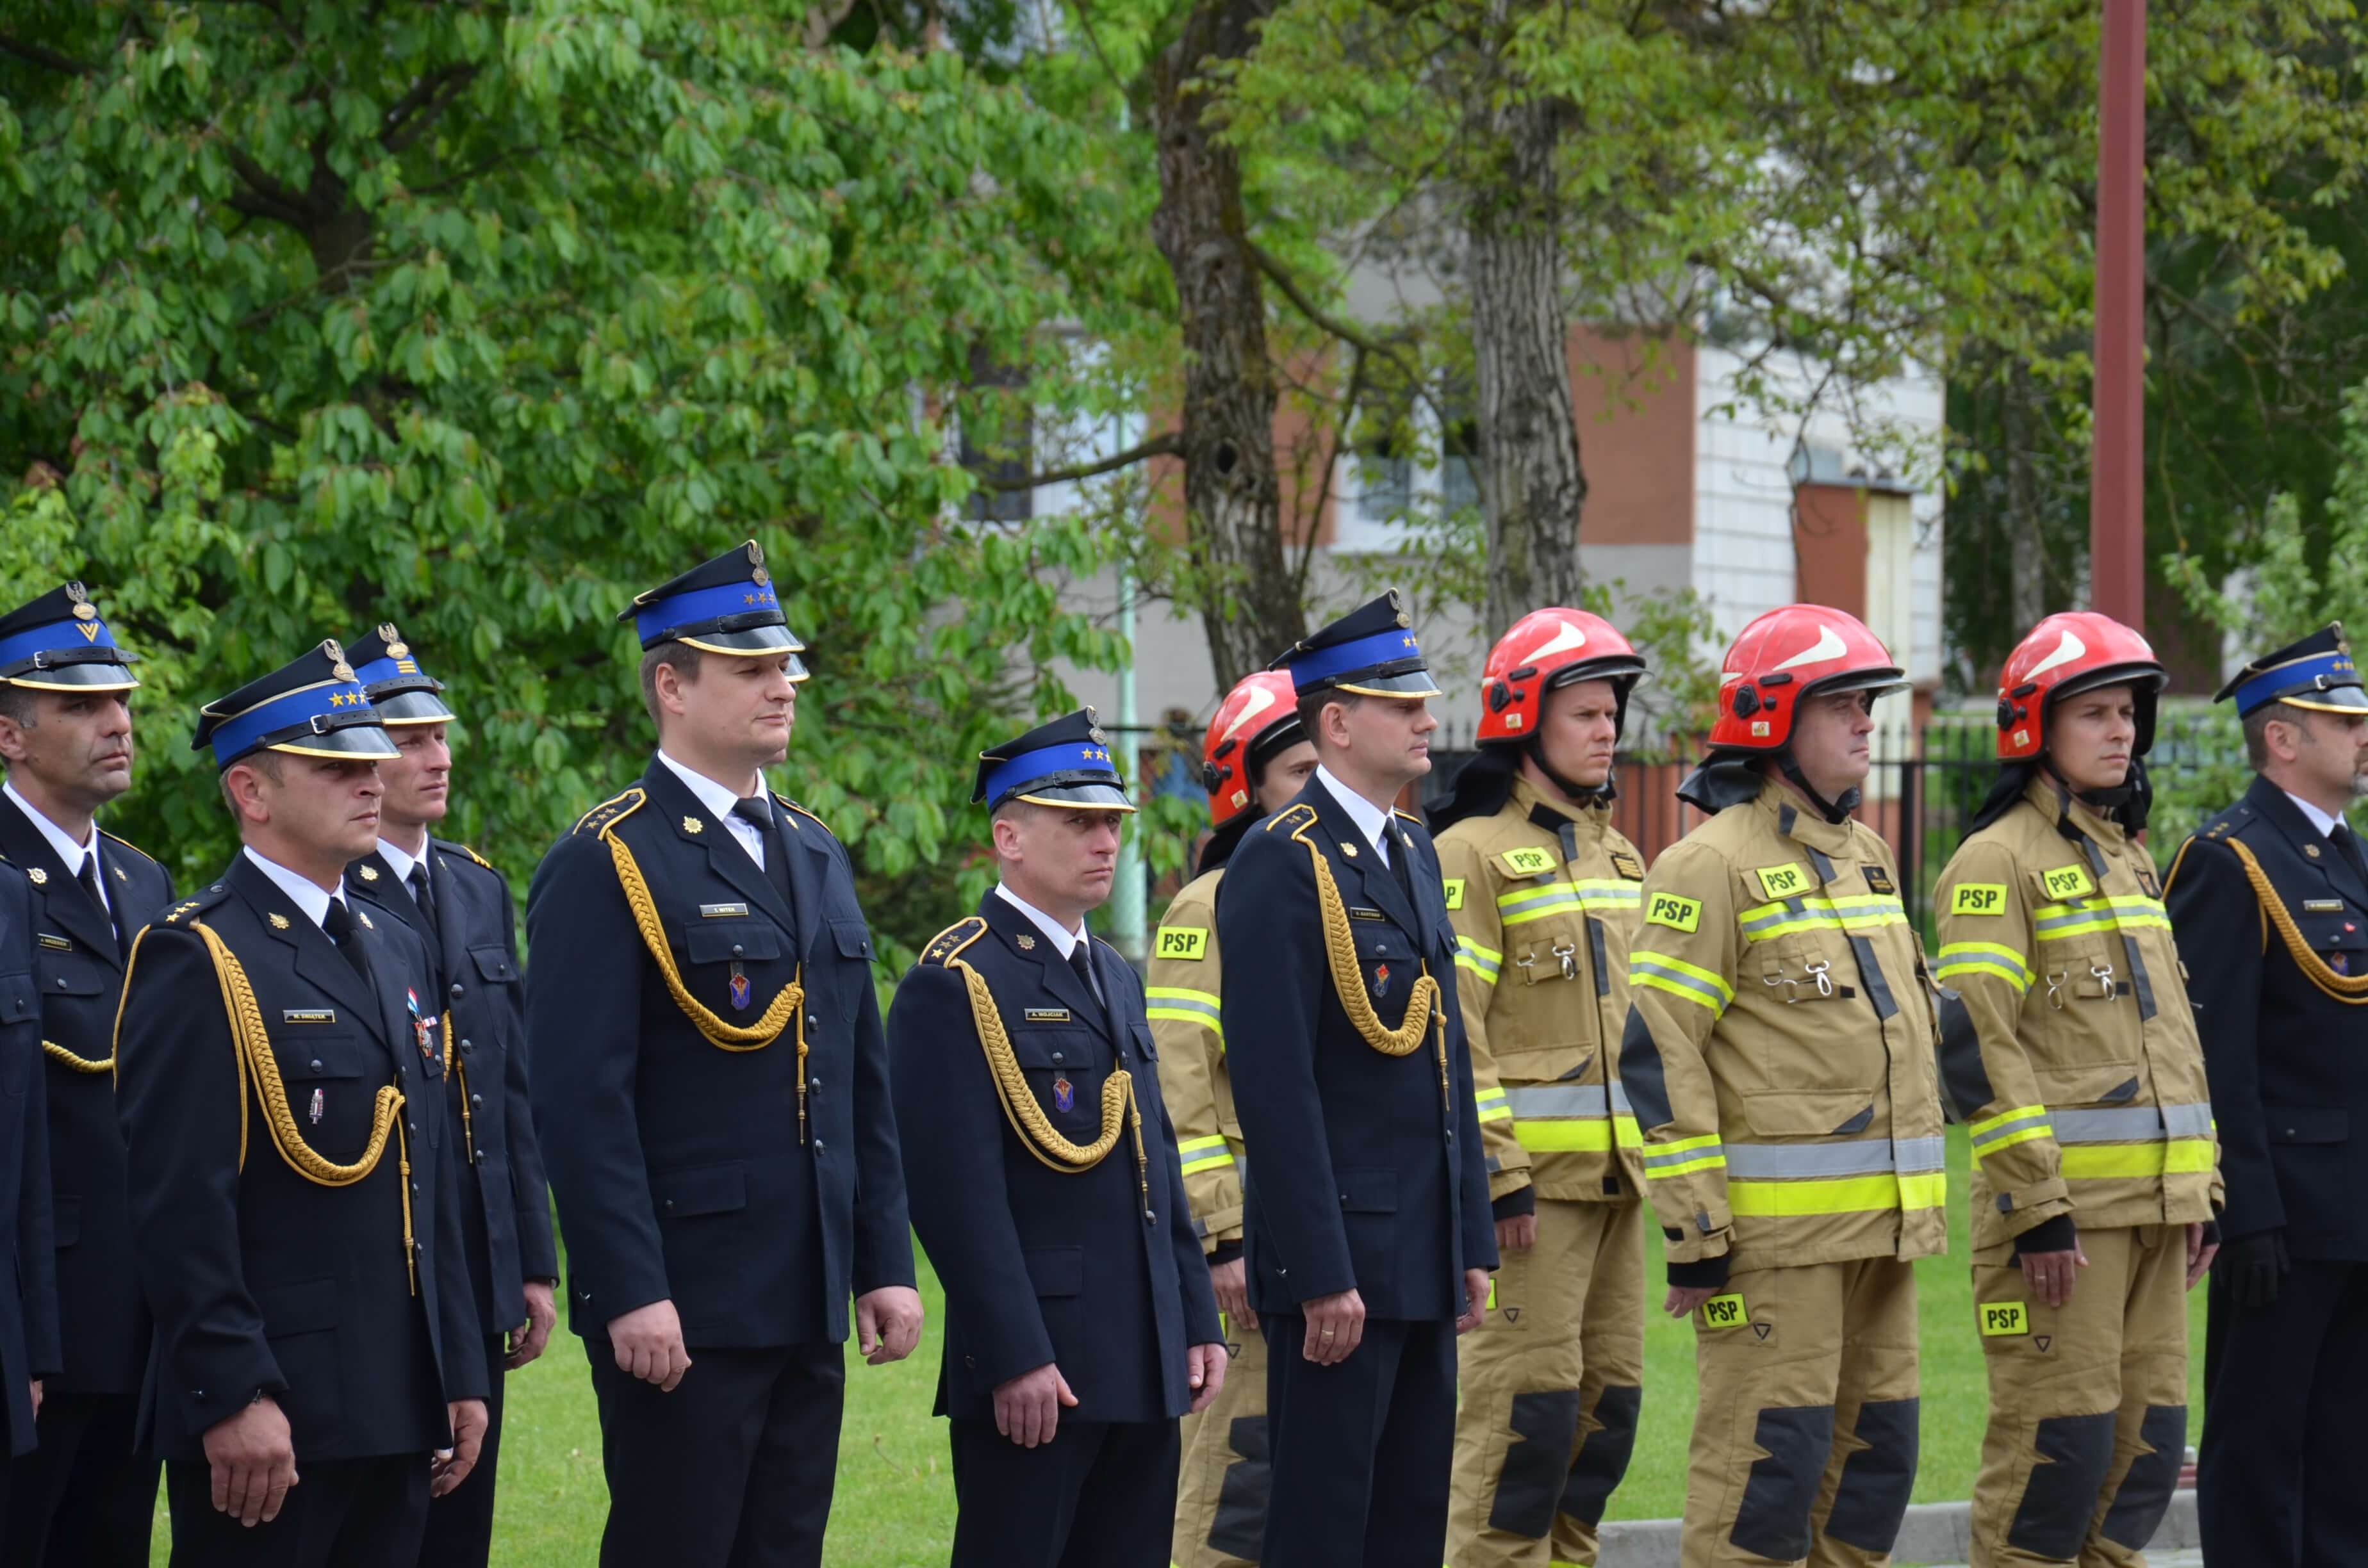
1293 818
1409 816
129 845
610 813
463 848
197 902
787 804
946 944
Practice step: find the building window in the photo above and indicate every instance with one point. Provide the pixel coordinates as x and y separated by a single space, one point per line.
998 431
1403 483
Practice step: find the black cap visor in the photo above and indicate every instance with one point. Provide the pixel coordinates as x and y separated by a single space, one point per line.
414 705
73 670
359 739
1399 677
1071 794
2346 699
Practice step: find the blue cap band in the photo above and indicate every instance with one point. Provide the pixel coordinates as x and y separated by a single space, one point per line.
379 670
55 637
1363 653
2296 680
289 711
1069 757
704 604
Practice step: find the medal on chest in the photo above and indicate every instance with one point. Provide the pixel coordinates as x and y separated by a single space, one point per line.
1064 1094
1381 979
739 988
318 1105
423 1027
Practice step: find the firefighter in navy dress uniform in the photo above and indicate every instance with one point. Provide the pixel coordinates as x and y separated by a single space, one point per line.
85 1498
709 1084
2269 902
1080 1324
1368 1233
459 908
291 1180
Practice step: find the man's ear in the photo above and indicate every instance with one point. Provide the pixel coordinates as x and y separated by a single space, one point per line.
12 739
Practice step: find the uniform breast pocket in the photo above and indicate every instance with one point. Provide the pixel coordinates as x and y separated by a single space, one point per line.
493 966
18 1015
725 956
1060 1064
1551 1007
1387 959
333 1082
852 942
2082 987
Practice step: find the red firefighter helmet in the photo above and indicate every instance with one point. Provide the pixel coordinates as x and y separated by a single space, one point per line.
2065 654
1548 649
1788 655
1257 717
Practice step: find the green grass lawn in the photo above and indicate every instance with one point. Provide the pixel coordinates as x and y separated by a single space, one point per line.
894 1504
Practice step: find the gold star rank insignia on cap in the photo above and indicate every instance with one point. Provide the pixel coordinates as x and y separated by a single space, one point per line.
369 873
278 922
692 824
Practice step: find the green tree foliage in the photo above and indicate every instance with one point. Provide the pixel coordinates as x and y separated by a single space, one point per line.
479 319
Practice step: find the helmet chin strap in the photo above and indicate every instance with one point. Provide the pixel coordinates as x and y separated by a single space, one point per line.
1834 810
1534 749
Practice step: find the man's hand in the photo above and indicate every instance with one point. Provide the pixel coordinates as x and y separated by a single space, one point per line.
648 1343
1476 1293
2256 1265
887 1324
1028 1407
1206 1365
2052 1275
1231 1282
451 1466
254 1462
526 1341
1684 1300
2200 1253
1336 1325
1517 1232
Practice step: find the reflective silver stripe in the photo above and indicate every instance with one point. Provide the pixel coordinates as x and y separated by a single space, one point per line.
1692 1154
1765 1160
2129 1124
1992 1134
1178 1001
2187 1120
1557 1101
1553 892
1920 1153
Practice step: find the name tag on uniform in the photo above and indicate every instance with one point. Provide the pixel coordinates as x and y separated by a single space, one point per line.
1355 913
308 1016
2310 906
1048 1014
722 911
62 945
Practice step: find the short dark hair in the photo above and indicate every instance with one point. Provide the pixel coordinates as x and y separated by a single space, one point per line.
1312 706
2256 729
684 660
266 762
19 705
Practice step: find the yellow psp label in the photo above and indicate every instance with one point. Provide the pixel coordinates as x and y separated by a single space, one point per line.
1527 862
1783 882
1454 892
1183 942
2066 881
2004 1317
1978 898
1676 913
1725 1311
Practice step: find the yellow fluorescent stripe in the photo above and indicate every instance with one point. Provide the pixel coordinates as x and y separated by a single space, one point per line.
1214 1140
1976 1128
1711 1162
1465 944
1846 1194
1675 989
1681 966
2012 1138
1180 993
2011 956
1207 1163
1177 1016
1679 1145
2020 981
1629 1134
2102 1162
1591 1135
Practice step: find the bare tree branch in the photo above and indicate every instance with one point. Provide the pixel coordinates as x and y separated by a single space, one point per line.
1167 444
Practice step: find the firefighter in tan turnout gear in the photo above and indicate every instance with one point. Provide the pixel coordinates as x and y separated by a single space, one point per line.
2094 1180
1780 1059
1256 755
1544 896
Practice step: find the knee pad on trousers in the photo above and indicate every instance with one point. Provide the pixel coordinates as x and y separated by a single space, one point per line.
1597 1467
2143 1495
1773 1520
1536 1466
1878 1479
2074 1452
1237 1527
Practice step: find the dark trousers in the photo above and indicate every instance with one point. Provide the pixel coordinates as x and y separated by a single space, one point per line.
732 1470
340 1514
2277 1480
83 1499
1101 1494
1361 1450
460 1523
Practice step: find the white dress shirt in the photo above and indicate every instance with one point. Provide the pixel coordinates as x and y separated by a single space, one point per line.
70 853
2316 818
399 860
302 892
719 802
1370 820
1065 941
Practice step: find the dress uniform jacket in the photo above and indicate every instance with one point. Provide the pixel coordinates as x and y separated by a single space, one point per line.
1542 900
2082 1084
1097 1271
348 1302
79 967
1780 1046
473 945
688 1171
1370 1173
28 1306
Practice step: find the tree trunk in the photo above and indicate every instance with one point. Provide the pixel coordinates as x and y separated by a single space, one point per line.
1531 480
1232 499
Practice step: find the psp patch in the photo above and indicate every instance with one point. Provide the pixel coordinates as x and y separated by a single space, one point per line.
1783 882
2066 881
2002 1318
1676 913
1527 862
1183 942
1978 898
1455 888
1725 1311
